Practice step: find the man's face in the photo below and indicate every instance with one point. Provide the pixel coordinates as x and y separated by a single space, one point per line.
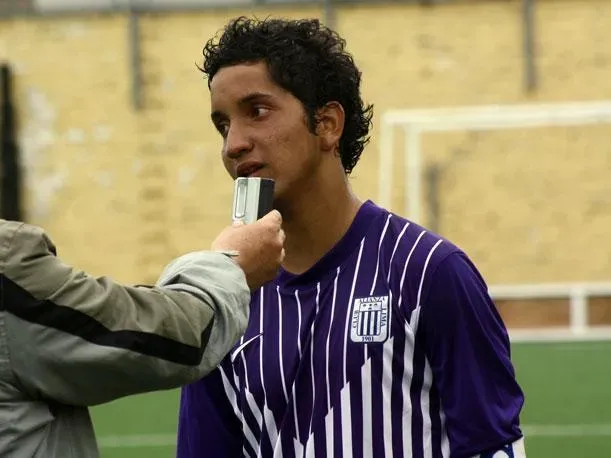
264 128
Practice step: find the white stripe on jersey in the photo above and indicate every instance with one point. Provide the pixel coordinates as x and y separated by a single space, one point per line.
375 276
245 371
298 448
281 359
425 404
243 362
367 408
445 440
261 343
278 448
312 361
349 309
242 345
232 398
256 412
231 394
392 256
426 264
309 447
270 425
387 377
329 431
298 324
408 373
236 381
309 453
409 256
346 420
329 339
414 319
268 417
300 357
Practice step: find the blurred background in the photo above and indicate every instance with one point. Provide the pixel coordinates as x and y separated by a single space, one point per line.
492 127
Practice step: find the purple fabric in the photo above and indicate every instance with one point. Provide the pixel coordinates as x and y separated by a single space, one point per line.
389 344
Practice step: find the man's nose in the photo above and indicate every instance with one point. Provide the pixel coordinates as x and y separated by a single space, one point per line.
237 142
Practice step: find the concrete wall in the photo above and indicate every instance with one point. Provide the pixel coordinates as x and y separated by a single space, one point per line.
122 191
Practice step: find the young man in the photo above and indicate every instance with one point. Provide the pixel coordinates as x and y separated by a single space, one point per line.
377 338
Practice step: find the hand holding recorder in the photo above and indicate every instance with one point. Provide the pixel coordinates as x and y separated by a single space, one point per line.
256 234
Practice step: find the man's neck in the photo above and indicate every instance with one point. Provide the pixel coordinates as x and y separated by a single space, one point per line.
314 223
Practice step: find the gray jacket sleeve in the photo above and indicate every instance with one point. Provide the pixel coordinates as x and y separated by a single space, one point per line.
82 340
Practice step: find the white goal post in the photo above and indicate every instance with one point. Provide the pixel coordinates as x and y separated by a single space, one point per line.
415 122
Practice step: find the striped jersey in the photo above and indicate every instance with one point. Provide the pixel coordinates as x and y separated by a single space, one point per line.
389 346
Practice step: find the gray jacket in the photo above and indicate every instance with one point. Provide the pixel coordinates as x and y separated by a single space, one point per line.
69 341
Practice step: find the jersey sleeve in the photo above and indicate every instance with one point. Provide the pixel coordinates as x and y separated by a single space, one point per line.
467 346
207 423
82 340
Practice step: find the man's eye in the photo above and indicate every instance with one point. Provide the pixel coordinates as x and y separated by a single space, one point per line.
223 129
260 111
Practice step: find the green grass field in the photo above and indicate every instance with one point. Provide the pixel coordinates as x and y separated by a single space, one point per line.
567 412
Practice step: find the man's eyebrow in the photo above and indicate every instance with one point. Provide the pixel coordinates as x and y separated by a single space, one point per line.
255 96
217 115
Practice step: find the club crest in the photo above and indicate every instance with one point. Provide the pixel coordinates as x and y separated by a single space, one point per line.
369 322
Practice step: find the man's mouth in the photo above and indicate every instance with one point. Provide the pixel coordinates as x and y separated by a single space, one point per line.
248 169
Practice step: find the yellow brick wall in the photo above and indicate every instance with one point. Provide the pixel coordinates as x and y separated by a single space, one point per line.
123 191
78 136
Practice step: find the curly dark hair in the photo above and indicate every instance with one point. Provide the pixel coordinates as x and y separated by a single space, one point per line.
305 58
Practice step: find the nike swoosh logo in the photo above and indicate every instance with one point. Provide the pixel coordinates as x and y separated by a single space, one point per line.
235 352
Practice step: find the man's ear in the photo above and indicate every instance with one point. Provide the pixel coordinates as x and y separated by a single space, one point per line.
330 125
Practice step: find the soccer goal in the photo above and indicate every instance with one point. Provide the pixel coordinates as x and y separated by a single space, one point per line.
412 124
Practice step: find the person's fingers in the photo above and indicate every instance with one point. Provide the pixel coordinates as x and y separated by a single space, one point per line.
273 216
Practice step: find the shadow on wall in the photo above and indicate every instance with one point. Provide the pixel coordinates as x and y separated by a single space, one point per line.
10 179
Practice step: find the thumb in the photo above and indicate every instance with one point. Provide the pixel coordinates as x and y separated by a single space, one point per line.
274 216
237 223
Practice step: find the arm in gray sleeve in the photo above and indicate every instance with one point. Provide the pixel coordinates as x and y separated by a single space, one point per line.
82 340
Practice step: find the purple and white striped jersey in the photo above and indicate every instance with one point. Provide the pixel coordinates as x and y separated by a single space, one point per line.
388 347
